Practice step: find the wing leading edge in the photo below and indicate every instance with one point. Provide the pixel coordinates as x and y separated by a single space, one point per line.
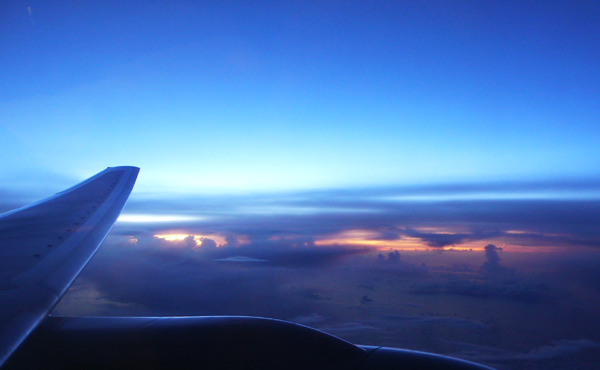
44 246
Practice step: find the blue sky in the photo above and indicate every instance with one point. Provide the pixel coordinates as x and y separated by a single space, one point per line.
261 96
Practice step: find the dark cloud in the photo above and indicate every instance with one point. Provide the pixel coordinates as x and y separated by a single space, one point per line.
440 240
492 255
428 287
12 200
559 355
580 269
167 283
557 349
309 293
365 299
445 333
491 280
403 331
183 277
360 297
290 253
492 263
515 288
453 322
392 257
312 319
390 263
206 244
20 188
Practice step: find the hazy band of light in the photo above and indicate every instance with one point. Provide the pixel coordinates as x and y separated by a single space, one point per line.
491 195
150 218
298 210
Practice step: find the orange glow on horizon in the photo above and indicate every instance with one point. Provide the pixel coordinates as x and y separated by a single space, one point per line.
197 238
371 239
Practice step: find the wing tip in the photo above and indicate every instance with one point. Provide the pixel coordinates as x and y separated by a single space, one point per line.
120 168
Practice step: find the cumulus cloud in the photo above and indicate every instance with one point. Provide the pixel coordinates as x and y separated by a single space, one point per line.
492 263
205 243
392 257
492 255
291 251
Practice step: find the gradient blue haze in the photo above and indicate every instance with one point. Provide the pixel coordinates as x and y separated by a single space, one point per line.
215 96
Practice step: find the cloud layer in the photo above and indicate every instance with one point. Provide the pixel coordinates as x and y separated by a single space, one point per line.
345 262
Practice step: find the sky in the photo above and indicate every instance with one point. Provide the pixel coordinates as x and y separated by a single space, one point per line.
293 95
423 175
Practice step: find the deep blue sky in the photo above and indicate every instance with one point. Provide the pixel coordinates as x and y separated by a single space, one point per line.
247 96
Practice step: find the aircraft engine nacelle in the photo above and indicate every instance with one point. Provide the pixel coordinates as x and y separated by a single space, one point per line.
222 342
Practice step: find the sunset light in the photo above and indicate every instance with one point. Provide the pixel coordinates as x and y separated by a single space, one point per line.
197 238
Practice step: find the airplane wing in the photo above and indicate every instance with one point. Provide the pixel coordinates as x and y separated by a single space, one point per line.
44 246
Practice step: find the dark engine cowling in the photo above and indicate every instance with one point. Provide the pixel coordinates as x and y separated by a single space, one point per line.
204 343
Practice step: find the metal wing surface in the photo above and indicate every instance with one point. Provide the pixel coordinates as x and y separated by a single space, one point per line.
45 245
